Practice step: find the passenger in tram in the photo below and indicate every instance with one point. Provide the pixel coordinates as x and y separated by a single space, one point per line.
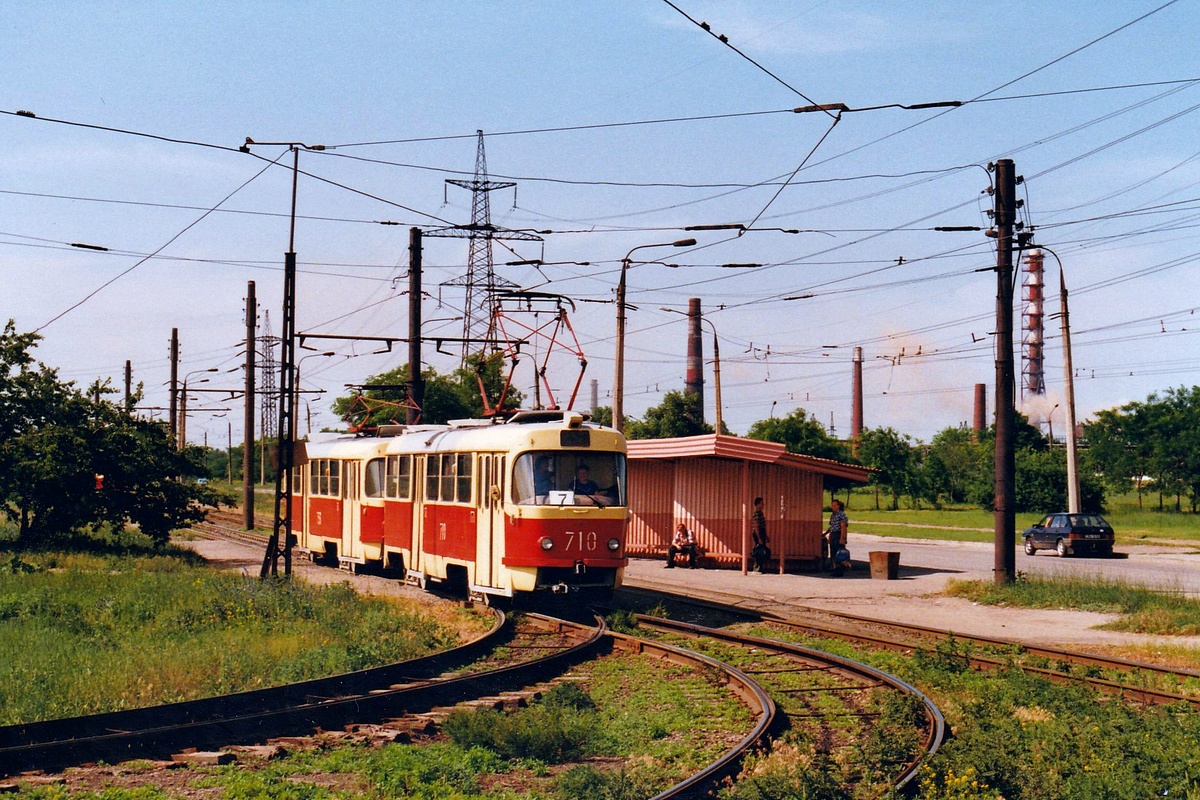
683 543
543 479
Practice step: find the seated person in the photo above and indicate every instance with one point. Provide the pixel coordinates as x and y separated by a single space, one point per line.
683 543
584 487
543 478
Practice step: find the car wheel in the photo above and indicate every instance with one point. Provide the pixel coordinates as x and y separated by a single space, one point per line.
1061 548
1029 548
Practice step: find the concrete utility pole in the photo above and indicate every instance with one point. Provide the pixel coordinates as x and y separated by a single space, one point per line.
1069 379
416 386
248 430
1005 567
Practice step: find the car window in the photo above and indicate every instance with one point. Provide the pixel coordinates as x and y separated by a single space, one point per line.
1045 523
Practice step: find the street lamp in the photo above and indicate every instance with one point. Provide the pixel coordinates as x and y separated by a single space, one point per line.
182 443
716 361
296 399
618 407
281 530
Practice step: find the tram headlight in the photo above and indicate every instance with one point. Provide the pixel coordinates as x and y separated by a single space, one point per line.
547 543
614 544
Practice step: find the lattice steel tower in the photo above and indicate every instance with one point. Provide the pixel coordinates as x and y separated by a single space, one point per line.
480 280
1033 371
268 369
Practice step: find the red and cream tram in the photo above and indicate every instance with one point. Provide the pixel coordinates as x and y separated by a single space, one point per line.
534 503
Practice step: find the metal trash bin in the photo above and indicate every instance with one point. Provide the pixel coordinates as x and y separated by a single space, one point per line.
885 565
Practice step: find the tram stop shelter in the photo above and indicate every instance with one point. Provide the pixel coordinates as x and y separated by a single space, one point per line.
709 484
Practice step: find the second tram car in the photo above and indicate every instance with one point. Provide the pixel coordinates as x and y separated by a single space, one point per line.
533 504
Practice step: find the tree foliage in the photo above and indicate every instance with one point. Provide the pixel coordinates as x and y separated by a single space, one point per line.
69 462
1158 439
679 414
801 435
890 454
447 397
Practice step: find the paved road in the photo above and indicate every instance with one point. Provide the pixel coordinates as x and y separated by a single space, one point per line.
1170 568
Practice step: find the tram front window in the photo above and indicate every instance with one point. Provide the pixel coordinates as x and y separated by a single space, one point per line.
558 478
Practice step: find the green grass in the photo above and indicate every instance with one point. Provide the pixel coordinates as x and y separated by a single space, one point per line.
973 524
649 726
1142 610
1014 736
87 633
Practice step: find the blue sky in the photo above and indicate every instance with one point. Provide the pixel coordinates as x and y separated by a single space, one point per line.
1112 185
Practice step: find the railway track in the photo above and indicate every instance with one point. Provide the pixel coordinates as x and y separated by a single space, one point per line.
1137 681
349 701
535 649
831 701
804 677
513 655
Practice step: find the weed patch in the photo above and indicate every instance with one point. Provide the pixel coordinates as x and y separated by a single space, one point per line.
1143 610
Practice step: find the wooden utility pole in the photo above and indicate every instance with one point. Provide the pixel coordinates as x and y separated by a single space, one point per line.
416 386
1004 570
248 430
174 385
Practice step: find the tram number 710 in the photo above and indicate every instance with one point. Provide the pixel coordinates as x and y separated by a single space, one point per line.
581 541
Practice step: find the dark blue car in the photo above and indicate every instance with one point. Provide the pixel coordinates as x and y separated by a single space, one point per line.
1070 534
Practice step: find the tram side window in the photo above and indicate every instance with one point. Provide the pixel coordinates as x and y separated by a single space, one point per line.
464 477
324 477
433 476
373 479
399 478
298 481
549 478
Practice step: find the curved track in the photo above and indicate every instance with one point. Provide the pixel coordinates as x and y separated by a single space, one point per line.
808 678
544 649
1052 663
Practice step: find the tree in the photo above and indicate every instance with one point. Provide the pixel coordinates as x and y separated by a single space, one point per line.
69 462
679 414
951 464
890 454
800 435
447 397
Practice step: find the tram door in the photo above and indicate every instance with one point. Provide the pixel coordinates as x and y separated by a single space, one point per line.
490 527
350 509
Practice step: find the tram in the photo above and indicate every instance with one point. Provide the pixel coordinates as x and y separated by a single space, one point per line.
532 504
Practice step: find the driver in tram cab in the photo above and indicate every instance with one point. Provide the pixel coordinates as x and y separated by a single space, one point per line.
585 486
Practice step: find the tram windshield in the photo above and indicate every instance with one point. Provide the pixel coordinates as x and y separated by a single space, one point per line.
555 477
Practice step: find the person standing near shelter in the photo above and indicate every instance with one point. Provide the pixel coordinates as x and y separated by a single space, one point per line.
683 543
835 536
758 529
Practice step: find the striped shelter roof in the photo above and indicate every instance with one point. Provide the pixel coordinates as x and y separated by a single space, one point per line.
737 448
